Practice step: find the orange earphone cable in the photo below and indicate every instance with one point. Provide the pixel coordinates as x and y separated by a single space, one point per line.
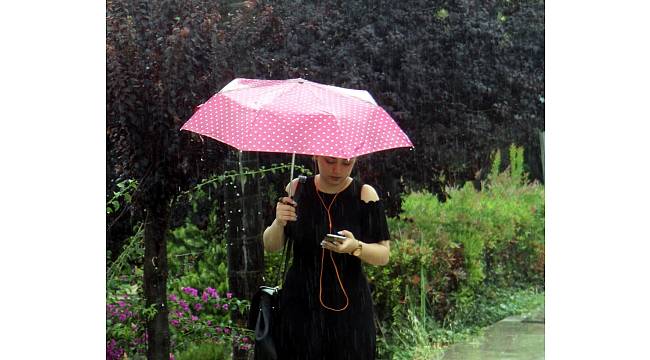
322 259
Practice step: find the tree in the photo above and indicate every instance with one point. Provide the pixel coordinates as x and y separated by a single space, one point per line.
157 70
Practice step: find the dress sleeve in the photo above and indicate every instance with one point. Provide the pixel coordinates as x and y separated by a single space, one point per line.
374 227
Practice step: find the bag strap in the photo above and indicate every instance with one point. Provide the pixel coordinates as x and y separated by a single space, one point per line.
288 246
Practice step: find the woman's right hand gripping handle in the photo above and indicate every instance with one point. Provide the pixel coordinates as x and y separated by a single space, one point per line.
285 210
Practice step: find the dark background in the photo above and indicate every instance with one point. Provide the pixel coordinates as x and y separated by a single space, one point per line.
461 78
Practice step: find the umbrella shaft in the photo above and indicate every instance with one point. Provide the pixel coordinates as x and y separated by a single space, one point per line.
293 160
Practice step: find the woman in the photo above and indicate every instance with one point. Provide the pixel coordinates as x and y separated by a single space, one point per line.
326 306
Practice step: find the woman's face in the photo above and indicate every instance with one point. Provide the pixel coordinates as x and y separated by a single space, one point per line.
334 171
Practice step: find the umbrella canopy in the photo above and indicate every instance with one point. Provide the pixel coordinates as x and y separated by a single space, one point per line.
297 116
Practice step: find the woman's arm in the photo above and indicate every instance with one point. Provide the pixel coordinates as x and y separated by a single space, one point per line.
274 235
374 254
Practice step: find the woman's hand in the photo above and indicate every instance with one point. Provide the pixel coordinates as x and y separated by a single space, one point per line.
285 210
341 246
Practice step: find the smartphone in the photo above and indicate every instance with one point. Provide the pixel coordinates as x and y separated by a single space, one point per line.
332 237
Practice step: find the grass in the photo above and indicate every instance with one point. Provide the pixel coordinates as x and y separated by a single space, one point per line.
206 351
419 339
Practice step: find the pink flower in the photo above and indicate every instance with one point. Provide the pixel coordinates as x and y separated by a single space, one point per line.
191 291
197 306
218 329
225 307
211 291
173 297
194 318
229 295
175 322
226 330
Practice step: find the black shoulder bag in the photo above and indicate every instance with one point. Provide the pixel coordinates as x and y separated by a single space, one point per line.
264 316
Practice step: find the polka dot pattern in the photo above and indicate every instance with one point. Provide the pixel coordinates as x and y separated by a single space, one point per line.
297 116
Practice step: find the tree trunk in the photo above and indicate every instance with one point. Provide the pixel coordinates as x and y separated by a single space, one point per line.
244 237
155 279
541 149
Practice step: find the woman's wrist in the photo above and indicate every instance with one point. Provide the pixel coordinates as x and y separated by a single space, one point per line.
278 224
357 249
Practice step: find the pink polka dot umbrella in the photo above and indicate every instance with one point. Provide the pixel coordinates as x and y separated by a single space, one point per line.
297 116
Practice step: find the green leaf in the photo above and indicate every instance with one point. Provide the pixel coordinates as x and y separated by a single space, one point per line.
442 14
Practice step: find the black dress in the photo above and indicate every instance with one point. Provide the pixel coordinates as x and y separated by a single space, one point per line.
309 331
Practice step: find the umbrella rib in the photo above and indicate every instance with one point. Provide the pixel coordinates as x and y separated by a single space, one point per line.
337 117
266 83
321 102
257 112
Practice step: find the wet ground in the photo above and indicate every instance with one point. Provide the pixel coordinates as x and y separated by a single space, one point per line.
516 337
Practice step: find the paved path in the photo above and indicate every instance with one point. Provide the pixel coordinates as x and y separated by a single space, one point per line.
516 337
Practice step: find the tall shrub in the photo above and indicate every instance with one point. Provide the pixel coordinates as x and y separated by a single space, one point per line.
493 237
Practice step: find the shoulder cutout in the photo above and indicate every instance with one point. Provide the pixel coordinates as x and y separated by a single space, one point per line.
368 193
294 184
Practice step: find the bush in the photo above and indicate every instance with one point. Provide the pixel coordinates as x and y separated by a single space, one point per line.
450 253
197 259
196 317
200 321
206 351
